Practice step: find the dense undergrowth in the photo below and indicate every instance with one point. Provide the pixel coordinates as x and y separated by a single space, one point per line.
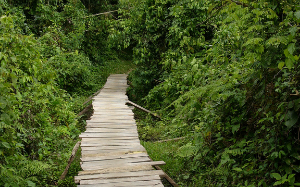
53 55
225 75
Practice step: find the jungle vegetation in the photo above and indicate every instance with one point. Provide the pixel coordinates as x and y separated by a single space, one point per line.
53 56
223 74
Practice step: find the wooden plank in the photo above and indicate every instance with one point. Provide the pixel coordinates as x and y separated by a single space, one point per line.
114 157
118 144
113 138
106 120
111 153
132 121
112 135
93 167
111 149
138 167
122 180
111 163
109 140
111 126
110 95
108 147
95 104
112 87
135 159
124 108
153 183
109 101
116 117
100 144
95 117
96 125
117 95
108 130
112 112
132 185
112 115
120 175
99 99
119 110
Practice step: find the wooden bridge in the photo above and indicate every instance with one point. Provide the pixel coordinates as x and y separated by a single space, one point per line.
111 153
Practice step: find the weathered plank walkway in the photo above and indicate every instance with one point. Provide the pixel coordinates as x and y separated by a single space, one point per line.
111 153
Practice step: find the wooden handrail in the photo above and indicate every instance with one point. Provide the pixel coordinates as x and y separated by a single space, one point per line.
63 175
143 109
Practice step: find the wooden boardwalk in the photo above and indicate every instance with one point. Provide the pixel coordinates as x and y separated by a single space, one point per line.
111 153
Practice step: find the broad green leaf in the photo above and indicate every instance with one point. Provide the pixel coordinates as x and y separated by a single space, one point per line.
211 8
276 176
237 169
291 176
186 150
5 144
289 63
277 183
297 14
30 183
293 30
292 119
19 145
291 48
287 53
235 128
280 65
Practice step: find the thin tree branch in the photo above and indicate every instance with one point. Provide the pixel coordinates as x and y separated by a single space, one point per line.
101 13
174 139
85 110
212 15
239 3
166 176
143 109
63 175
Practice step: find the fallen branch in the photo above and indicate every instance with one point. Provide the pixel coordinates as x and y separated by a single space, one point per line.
143 109
63 175
91 97
85 110
130 83
173 139
166 176
297 93
101 13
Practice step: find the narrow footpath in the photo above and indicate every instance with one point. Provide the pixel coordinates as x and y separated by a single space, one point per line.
111 153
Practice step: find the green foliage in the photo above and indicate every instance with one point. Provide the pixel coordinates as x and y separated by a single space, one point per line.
226 74
31 106
46 73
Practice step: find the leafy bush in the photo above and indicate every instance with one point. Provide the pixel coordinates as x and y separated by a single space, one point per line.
228 77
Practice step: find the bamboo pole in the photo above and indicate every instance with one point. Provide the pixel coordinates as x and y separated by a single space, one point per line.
166 176
143 109
174 139
63 175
